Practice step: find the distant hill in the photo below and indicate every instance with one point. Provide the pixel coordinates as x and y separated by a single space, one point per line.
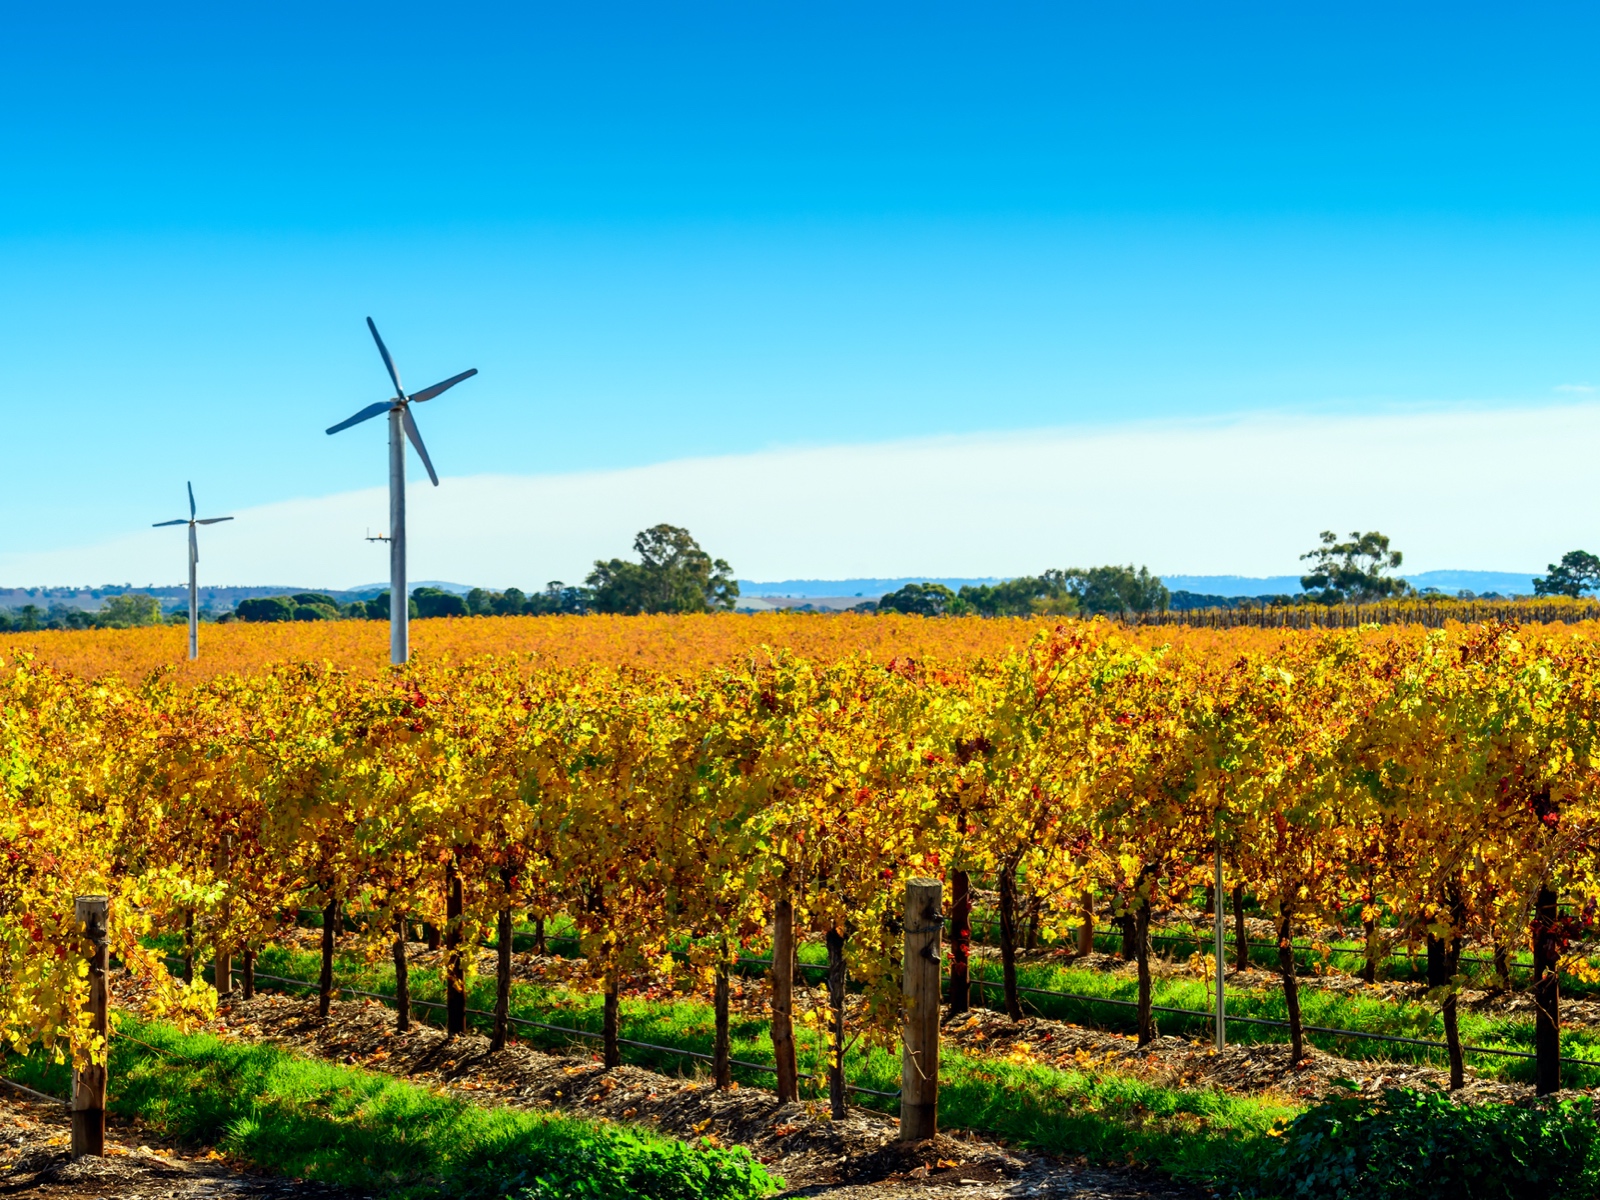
212 599
1507 583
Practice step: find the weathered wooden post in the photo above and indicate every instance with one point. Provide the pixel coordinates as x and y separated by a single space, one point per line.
222 970
222 965
502 971
919 1059
455 987
89 1082
783 1052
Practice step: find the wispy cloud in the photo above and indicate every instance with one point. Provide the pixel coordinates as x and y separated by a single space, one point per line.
1507 489
1579 389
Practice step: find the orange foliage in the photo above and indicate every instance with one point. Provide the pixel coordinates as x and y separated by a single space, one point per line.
661 643
657 643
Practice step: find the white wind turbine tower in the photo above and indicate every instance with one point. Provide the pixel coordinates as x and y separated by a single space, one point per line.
399 410
194 557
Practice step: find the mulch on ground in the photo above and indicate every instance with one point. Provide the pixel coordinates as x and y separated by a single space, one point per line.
817 1156
1241 1068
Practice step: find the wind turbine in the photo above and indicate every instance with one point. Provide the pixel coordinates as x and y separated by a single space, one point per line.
399 409
194 557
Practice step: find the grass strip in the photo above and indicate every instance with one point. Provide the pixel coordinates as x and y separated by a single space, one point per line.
1353 1010
1198 1134
383 1136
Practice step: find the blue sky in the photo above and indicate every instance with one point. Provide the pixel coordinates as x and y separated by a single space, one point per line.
718 231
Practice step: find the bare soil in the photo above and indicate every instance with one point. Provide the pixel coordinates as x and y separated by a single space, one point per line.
1242 1069
854 1157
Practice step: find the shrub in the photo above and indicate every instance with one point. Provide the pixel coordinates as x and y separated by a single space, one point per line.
1410 1145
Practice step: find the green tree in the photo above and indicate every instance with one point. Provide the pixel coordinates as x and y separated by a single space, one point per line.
1576 573
1027 595
923 599
315 606
265 608
129 610
1353 571
1113 589
436 602
673 575
557 597
378 607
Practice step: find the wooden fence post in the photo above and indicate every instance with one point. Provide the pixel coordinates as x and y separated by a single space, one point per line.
455 989
89 1082
222 970
783 1052
919 1059
222 964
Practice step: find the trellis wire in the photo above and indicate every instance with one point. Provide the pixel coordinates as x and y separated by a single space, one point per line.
28 1091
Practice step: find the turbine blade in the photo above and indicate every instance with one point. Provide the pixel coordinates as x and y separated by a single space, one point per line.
366 414
194 546
387 361
191 501
212 520
428 393
416 440
159 524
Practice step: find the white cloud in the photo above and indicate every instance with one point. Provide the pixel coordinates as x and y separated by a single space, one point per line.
1501 489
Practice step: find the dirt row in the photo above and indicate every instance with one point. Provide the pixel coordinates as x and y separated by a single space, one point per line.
1177 1062
1515 1005
1253 1069
817 1156
845 1160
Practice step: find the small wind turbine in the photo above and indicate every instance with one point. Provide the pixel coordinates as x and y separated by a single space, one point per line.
399 409
194 557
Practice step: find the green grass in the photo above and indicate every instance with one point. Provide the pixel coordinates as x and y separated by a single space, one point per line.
1197 1134
384 1136
1337 1010
1180 938
1342 1010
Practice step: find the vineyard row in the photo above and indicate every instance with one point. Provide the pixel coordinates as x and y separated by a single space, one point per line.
1431 789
